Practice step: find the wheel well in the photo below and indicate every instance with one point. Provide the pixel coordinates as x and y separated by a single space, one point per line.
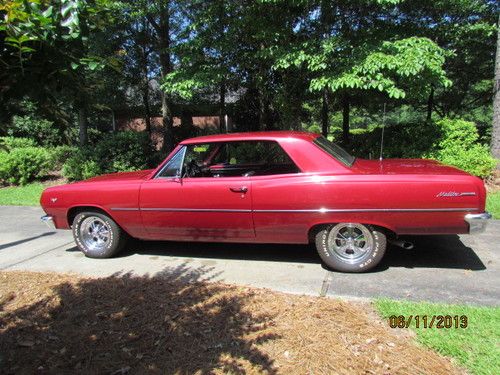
76 210
319 227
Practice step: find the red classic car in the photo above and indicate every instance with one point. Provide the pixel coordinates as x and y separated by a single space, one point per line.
271 187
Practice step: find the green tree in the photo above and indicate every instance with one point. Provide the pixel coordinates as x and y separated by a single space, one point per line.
50 47
353 56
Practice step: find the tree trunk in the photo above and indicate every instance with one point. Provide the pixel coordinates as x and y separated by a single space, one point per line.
324 114
495 134
345 118
166 68
147 108
222 107
222 92
262 112
168 128
430 104
83 123
162 31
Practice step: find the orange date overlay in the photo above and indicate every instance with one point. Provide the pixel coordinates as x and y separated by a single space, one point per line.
428 321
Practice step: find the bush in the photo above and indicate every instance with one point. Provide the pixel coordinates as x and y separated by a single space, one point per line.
115 152
451 141
80 166
32 125
22 165
94 135
9 143
459 147
59 155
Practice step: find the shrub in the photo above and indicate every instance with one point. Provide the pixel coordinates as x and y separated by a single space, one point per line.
314 128
411 140
115 152
42 131
451 141
22 165
459 147
94 135
81 167
59 155
9 143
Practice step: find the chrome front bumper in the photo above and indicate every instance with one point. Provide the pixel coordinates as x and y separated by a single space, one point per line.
477 222
49 221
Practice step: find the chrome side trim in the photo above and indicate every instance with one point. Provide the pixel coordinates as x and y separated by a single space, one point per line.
320 210
477 222
195 210
341 210
49 221
468 194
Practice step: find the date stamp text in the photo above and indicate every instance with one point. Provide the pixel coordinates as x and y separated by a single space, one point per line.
428 321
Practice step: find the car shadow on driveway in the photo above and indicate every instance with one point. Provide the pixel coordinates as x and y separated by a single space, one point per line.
235 251
447 252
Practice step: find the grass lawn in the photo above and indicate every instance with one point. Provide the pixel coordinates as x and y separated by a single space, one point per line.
475 347
28 195
493 204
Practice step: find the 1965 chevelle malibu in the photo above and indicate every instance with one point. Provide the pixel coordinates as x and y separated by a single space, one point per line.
271 187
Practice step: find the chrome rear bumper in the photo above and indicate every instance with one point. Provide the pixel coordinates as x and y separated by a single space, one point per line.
49 221
477 222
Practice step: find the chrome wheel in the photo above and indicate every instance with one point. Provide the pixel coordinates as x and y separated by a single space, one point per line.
95 233
350 242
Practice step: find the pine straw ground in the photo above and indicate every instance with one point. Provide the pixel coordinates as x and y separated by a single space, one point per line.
179 323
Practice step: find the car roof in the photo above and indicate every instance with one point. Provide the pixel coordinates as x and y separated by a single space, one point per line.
249 136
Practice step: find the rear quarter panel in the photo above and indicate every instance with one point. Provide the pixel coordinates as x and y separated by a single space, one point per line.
287 207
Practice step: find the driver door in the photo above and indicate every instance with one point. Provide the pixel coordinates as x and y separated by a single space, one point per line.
183 204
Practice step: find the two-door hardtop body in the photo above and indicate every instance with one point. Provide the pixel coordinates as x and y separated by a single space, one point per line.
271 187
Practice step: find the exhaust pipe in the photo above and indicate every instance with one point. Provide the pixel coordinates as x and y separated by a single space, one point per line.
403 244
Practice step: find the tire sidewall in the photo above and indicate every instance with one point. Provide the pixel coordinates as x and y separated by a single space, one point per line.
335 263
112 244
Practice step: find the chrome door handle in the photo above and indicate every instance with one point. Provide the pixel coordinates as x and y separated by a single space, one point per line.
242 189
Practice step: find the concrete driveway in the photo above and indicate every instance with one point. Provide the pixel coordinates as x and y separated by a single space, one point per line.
452 269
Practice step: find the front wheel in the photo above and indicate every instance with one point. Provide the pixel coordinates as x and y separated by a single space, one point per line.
97 235
351 247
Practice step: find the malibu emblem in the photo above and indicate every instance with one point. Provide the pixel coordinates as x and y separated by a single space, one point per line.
454 194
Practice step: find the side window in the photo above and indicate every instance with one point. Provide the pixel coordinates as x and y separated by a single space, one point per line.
239 158
174 165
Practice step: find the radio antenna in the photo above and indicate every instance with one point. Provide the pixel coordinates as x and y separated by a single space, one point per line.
382 140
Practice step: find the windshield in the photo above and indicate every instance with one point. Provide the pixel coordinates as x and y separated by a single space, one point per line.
335 150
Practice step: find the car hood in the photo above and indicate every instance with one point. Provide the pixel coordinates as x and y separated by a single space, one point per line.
404 166
121 176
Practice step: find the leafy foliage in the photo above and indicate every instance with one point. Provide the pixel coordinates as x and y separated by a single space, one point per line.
458 146
59 155
118 152
417 58
40 130
451 141
9 143
268 64
22 165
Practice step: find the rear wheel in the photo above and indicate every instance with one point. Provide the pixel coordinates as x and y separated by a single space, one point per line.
351 247
97 235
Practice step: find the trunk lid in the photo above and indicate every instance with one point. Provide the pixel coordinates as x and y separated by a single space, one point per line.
405 166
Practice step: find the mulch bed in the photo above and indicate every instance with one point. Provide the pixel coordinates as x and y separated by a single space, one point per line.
180 323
